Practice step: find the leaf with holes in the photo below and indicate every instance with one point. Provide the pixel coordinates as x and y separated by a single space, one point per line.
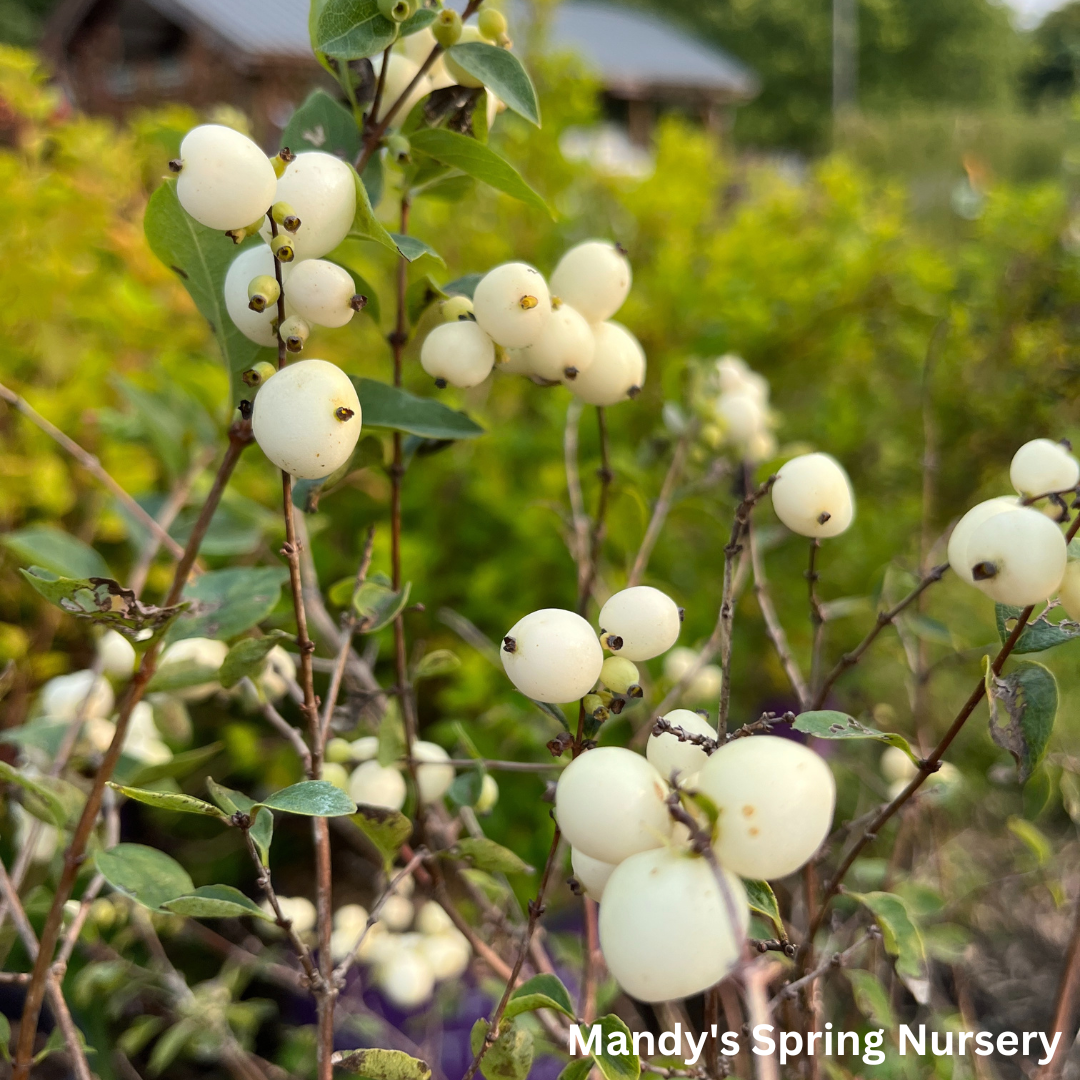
352 29
387 406
485 854
312 798
1040 633
386 829
900 935
763 900
321 123
56 551
169 800
1023 705
148 876
228 602
247 658
502 73
216 902
540 992
383 1064
827 724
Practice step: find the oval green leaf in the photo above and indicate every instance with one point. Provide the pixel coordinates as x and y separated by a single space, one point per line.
312 798
502 73
148 876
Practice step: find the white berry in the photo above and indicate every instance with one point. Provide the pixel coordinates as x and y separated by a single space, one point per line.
63 697
397 912
667 930
812 496
253 262
617 371
594 278
406 978
512 304
564 349
436 776
116 653
321 292
776 800
432 918
592 874
552 655
704 686
1041 466
321 189
667 754
458 353
966 526
307 419
735 377
373 785
489 795
609 803
640 622
447 952
1017 558
226 181
742 415
399 73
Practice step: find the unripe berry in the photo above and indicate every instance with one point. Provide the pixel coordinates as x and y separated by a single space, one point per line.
564 348
593 278
491 24
667 930
434 778
285 216
776 800
966 526
617 371
459 353
373 785
257 375
595 707
255 262
460 76
322 292
322 191
447 27
552 655
1069 591
1017 558
307 419
592 874
812 496
456 307
294 332
618 674
394 10
284 247
399 148
238 236
226 181
489 795
668 754
336 774
512 305
1041 466
262 292
640 622
609 804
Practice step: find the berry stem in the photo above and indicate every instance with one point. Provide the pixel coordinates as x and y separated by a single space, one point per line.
817 613
599 528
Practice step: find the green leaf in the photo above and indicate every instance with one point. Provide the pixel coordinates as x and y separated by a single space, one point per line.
248 657
386 406
5 1039
53 804
366 225
763 900
168 800
231 802
413 248
502 73
321 123
378 606
900 935
871 998
509 1057
352 29
215 902
485 854
437 663
312 798
1033 838
420 295
417 21
827 724
168 1047
55 550
466 787
616 1066
103 601
228 602
540 992
200 257
383 1064
577 1068
181 765
148 876
1040 633
262 832
139 1034
39 734
386 829
1029 696
179 675
476 160
463 286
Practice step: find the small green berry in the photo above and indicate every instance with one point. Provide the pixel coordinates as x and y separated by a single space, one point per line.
262 292
294 332
397 146
285 216
238 236
457 307
282 160
283 248
447 27
491 24
618 674
395 10
257 375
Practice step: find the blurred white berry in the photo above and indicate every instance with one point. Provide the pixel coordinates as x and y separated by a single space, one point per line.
321 189
1041 466
279 671
48 837
617 371
432 918
640 622
512 305
336 774
62 697
704 687
594 278
116 653
489 795
373 785
397 912
299 910
406 978
552 655
143 741
400 72
667 754
448 952
458 353
812 496
742 416
592 874
434 778
206 654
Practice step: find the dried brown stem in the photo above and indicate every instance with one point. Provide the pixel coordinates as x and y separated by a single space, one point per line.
599 528
662 507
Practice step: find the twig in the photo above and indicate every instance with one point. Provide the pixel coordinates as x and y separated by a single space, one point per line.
833 960
596 538
665 727
282 726
1065 1004
662 507
817 613
499 766
579 519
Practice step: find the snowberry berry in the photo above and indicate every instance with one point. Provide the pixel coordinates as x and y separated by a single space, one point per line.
489 795
458 353
619 674
63 696
448 953
117 654
617 371
1041 466
812 496
294 331
668 754
564 349
373 785
323 293
609 803
460 76
667 929
592 874
400 72
640 622
406 978
447 27
307 419
491 23
776 800
963 529
593 278
225 180
742 415
262 292
456 307
512 305
255 262
704 686
552 655
322 189
734 376
397 912
434 776
1017 558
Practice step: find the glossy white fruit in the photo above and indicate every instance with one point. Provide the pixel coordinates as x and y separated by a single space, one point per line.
226 182
435 778
321 189
400 73
458 353
397 912
252 262
143 741
489 795
1023 552
512 304
667 754
592 874
565 344
432 918
704 687
594 278
776 799
618 368
552 655
206 653
280 670
811 487
321 292
963 529
667 930
742 415
406 978
373 785
299 910
62 697
609 803
1069 591
1042 466
116 653
307 419
646 620
447 952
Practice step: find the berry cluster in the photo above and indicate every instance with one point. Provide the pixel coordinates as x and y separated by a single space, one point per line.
735 404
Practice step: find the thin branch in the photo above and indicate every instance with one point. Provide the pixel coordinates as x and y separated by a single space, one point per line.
833 960
817 612
596 538
1066 1004
662 507
282 726
579 519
